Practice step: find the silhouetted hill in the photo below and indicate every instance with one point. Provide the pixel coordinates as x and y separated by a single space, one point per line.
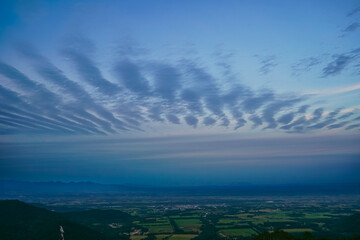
350 224
20 221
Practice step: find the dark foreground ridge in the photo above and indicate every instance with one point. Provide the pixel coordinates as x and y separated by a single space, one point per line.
20 221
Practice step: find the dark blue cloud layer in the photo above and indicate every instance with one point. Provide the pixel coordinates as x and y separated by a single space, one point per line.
186 159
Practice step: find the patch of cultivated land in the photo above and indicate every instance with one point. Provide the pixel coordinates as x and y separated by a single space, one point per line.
296 230
317 215
230 221
158 225
239 225
158 228
242 232
189 225
182 236
137 237
186 216
162 236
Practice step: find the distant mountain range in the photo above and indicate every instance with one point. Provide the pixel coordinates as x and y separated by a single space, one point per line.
22 187
10 189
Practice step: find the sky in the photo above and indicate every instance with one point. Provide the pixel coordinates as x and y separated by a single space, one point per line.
178 93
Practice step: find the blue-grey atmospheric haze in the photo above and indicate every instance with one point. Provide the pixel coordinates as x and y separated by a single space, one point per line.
175 93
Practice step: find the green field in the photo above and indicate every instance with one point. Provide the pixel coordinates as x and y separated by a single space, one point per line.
240 232
230 221
317 215
137 237
296 230
270 216
162 236
157 225
182 236
186 216
158 228
224 226
189 225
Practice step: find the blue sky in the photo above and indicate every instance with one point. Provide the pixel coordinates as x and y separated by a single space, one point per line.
180 92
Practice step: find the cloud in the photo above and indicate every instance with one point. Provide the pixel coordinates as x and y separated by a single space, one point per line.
340 62
42 100
333 114
131 76
338 125
173 119
130 48
251 104
223 60
12 98
35 125
304 65
336 66
337 90
236 113
209 121
225 122
192 99
44 125
167 81
21 126
146 91
191 121
316 116
286 118
206 87
90 73
238 116
256 120
300 121
353 12
350 127
322 124
272 109
303 109
268 63
105 125
357 118
345 115
352 27
40 95
318 120
237 92
51 73
240 123
155 114
131 111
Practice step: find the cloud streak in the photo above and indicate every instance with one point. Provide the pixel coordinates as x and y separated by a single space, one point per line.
146 91
340 62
